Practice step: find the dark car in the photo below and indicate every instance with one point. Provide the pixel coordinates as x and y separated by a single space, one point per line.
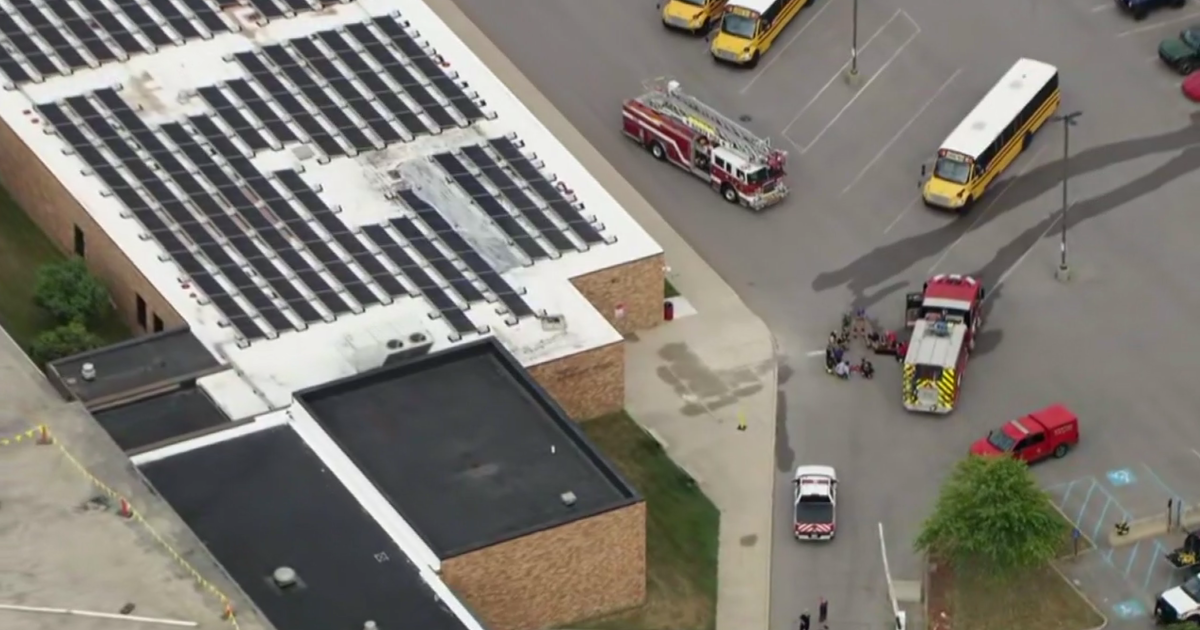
1139 9
1182 53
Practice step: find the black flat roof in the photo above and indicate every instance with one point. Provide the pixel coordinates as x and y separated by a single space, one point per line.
160 418
265 501
467 447
142 362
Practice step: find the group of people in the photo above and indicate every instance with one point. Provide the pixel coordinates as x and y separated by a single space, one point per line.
822 616
836 363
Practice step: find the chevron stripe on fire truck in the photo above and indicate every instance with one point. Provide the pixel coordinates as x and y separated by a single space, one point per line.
947 386
814 528
908 383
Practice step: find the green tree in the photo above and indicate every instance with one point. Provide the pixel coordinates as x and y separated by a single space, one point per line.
68 292
992 511
64 341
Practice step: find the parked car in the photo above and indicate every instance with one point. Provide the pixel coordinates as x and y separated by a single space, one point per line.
1191 87
1182 54
1139 9
1041 434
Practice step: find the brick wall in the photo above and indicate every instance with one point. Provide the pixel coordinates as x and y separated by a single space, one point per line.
578 571
637 285
57 213
587 384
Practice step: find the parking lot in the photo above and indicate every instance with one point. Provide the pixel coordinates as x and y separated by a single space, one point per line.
1116 344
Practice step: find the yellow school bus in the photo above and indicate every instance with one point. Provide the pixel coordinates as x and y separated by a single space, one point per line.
992 135
749 27
692 16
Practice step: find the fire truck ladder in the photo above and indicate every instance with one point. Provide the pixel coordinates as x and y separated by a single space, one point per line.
668 95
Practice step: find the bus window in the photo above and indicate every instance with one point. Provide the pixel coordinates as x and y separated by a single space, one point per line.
952 170
739 25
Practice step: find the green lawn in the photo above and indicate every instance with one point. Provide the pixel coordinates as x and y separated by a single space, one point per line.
681 533
23 248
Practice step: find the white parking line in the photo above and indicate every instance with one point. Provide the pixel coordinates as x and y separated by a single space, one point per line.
1103 7
984 213
912 204
838 74
1017 263
901 132
1151 27
779 53
1195 452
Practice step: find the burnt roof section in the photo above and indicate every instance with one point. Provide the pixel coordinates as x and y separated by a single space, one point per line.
288 510
164 418
138 365
467 447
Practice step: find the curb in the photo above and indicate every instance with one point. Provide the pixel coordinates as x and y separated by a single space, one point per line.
773 418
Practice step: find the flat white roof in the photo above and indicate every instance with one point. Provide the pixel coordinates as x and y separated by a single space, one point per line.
999 107
361 189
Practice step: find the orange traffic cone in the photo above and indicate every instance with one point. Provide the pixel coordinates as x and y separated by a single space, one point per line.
125 510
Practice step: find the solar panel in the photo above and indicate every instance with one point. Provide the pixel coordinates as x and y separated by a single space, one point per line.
436 222
494 209
434 256
81 29
546 190
233 117
204 12
298 5
346 90
108 21
27 47
262 111
268 9
517 197
50 33
319 97
430 68
290 103
144 22
12 69
432 292
400 74
378 87
175 19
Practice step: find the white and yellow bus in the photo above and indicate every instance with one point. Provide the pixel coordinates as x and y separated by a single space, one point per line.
992 135
749 27
692 16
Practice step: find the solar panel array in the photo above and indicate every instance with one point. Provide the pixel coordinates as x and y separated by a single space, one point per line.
264 247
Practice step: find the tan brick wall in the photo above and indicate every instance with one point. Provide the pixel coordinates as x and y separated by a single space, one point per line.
581 570
637 285
53 208
588 384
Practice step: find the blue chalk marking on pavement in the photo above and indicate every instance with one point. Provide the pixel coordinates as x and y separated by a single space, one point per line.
1129 609
1132 556
1121 477
1086 498
1100 521
1159 552
1158 480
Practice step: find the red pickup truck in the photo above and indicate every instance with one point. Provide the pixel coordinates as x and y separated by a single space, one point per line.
1051 431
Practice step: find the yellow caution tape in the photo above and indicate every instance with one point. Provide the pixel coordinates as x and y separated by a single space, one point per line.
41 435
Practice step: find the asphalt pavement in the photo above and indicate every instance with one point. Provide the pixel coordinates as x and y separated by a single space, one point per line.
1115 344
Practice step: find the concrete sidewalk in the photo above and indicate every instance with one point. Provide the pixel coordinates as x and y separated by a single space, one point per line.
689 380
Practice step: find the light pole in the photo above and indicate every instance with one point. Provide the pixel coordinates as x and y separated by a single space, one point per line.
854 42
1068 120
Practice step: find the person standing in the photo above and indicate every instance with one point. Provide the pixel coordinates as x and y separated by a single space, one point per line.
823 612
804 620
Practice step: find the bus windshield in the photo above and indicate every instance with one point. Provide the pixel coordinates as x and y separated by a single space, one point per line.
695 3
739 25
952 170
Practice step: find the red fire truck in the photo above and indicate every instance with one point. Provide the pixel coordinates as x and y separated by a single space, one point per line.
945 319
677 127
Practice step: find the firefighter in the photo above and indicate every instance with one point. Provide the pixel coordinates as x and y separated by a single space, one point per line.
901 350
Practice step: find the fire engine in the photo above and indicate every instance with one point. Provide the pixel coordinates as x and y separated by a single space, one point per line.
677 127
945 319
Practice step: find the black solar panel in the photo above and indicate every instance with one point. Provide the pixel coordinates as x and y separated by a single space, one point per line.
400 74
206 14
517 197
318 97
308 198
27 47
430 68
81 29
109 22
434 256
494 209
268 9
298 5
175 18
12 69
234 118
346 90
50 33
432 292
144 22
438 224
546 190
262 111
290 103
378 87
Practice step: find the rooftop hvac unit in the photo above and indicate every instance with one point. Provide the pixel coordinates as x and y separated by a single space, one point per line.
408 348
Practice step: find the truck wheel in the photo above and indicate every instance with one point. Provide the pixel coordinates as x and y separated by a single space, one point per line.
729 194
1140 13
657 150
753 63
1060 451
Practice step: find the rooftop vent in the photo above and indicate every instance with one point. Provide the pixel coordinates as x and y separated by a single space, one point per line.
285 577
568 498
418 338
88 372
554 322
370 625
394 344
